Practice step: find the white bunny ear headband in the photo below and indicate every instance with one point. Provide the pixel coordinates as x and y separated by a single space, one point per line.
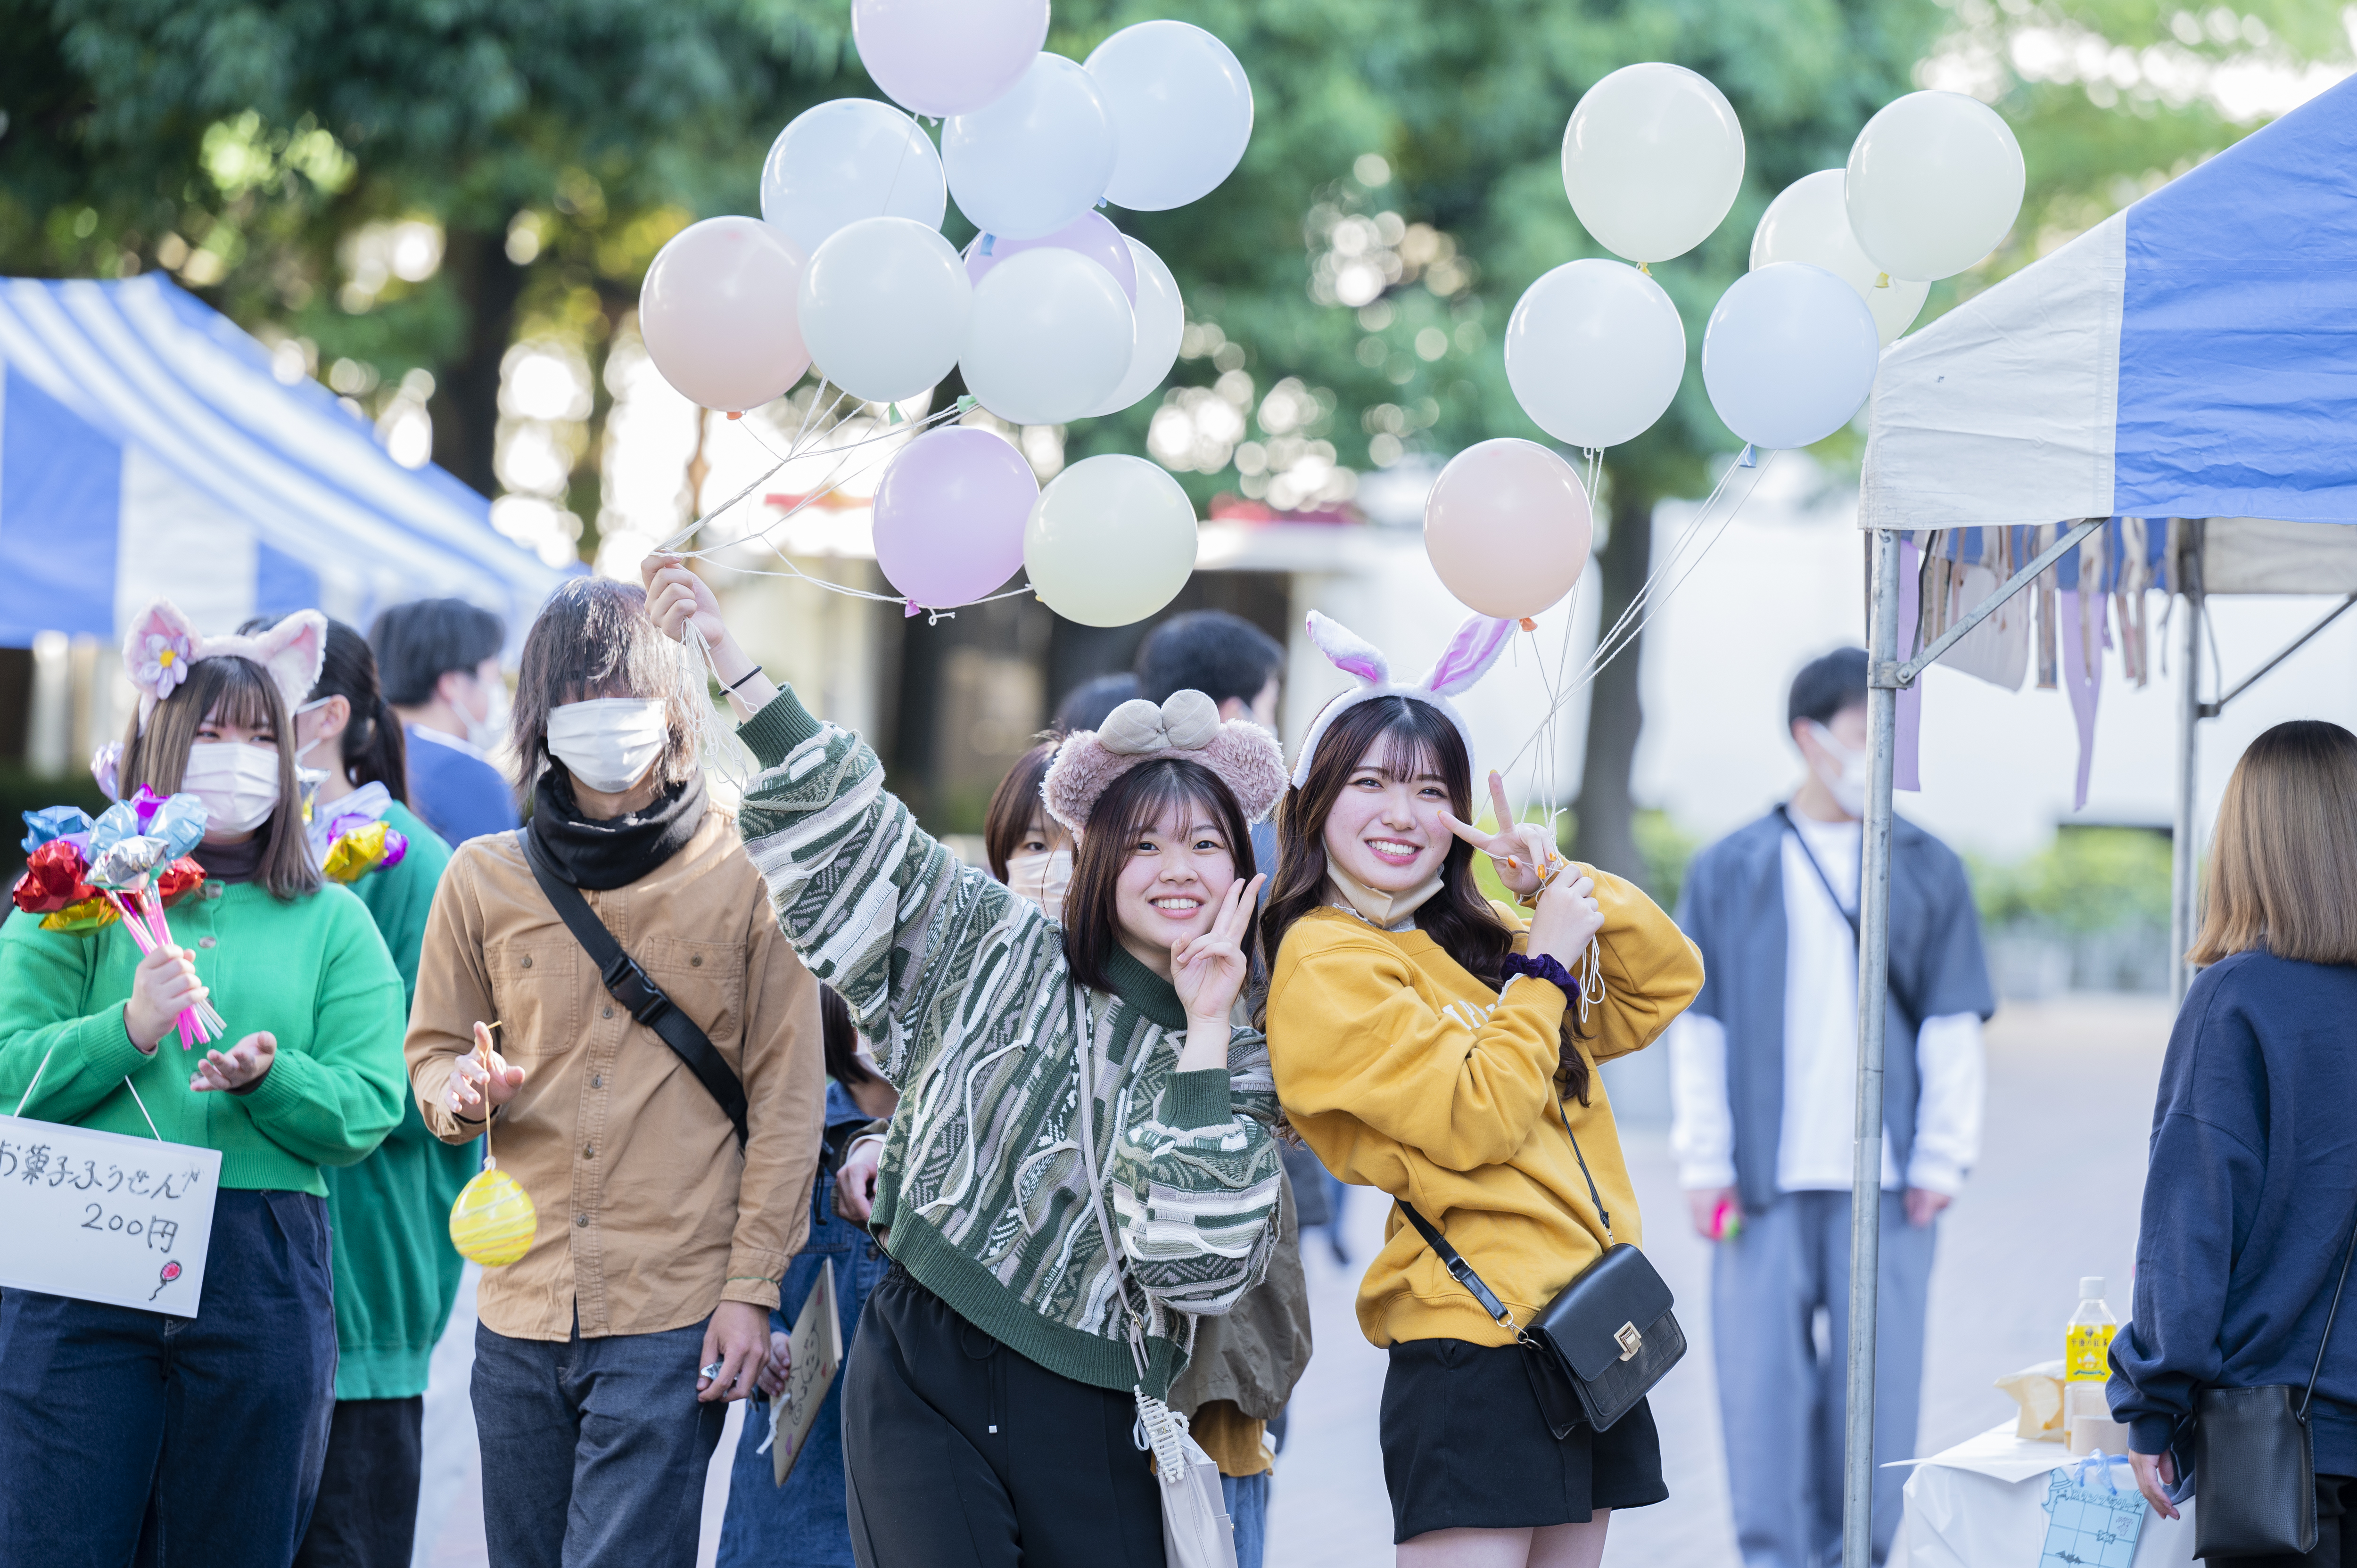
1470 651
161 644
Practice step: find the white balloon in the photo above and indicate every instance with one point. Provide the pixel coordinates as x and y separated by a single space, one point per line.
1035 159
884 305
1110 541
1933 183
1184 109
947 57
1161 323
1049 338
847 159
1595 353
1809 223
716 313
1651 160
1788 355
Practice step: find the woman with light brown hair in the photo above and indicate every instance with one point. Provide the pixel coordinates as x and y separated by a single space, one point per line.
2249 1197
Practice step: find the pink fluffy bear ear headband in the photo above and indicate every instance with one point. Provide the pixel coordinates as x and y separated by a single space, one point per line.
161 644
1245 756
1470 651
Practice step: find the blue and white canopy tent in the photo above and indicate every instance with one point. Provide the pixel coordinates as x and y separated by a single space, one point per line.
2193 358
147 447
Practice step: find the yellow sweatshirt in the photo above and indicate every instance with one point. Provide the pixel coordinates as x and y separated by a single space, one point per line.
1407 1073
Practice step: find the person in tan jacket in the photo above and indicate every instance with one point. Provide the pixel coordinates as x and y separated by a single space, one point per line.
605 1357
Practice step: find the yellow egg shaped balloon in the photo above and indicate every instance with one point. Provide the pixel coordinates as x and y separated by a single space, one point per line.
493 1221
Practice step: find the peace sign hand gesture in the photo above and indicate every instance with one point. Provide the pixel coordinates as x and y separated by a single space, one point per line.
1208 971
1524 853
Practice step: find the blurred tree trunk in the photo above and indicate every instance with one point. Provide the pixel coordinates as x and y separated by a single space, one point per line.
1605 833
466 396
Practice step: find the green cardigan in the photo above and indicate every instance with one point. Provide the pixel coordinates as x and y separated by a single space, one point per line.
312 972
396 1272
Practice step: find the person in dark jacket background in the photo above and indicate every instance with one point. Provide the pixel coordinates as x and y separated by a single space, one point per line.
2253 1180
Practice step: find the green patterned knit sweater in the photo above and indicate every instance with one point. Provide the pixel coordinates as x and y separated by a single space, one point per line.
963 989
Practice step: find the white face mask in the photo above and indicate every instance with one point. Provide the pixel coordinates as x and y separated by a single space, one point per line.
485 733
607 743
1845 779
303 752
1043 877
238 782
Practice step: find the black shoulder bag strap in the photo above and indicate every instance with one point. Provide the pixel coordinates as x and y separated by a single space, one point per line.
1462 1271
628 984
1848 912
2309 1398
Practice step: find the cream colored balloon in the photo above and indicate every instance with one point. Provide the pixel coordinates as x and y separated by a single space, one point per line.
1110 541
1809 223
1651 160
1934 181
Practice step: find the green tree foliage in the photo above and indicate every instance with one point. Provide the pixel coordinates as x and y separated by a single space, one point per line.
2088 879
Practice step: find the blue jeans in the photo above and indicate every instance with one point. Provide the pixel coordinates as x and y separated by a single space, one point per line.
594 1450
802 1524
128 1436
1247 1502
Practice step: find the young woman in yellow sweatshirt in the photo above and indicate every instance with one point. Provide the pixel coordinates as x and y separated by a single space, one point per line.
1416 1054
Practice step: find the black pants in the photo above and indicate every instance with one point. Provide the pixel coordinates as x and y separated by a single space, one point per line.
367 1513
959 1453
2336 1532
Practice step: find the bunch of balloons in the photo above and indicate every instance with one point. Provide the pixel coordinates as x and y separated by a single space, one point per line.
1051 313
1595 352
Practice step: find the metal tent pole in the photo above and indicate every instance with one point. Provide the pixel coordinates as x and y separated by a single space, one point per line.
2184 854
1873 979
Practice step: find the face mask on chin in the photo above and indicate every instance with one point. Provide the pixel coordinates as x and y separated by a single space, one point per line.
607 743
1043 877
238 782
1843 773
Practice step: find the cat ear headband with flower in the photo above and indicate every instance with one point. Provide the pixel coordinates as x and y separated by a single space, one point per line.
1245 758
162 644
1470 651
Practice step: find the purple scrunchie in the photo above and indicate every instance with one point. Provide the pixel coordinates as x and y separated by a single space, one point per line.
1540 966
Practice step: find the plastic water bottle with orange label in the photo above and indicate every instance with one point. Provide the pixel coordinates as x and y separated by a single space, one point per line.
2087 1360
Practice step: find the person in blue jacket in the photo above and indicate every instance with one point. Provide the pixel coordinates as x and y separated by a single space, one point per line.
2251 1194
440 663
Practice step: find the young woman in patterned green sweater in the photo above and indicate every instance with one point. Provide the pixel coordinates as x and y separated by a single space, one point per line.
987 1404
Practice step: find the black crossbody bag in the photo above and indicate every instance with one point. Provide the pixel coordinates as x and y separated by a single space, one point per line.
2254 1460
1610 1332
630 985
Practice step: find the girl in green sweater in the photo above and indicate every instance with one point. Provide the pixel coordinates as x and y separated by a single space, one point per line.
126 1432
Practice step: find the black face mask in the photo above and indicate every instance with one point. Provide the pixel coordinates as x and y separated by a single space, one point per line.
598 855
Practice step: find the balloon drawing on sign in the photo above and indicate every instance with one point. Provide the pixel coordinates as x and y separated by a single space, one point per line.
1036 158
1790 355
1161 327
1110 541
1508 528
1089 234
947 57
716 314
1050 338
882 306
1183 108
1933 183
847 159
1810 222
164 1276
950 515
1594 352
1651 160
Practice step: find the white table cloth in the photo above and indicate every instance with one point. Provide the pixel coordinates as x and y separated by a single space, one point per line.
1977 1505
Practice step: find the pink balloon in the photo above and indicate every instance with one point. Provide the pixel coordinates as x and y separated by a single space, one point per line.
950 516
1508 528
948 57
716 313
1090 234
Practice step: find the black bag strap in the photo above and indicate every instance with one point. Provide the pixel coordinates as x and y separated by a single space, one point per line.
1850 912
2331 1313
1462 1271
630 985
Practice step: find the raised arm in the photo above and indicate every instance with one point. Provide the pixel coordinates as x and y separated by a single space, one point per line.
1651 970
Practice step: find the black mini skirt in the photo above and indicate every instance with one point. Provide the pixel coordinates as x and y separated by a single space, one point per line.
1465 1445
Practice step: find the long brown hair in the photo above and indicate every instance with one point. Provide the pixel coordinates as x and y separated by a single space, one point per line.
370 750
1130 805
2283 865
1417 738
1014 804
230 690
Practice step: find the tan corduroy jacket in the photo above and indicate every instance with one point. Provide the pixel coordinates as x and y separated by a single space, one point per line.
649 1215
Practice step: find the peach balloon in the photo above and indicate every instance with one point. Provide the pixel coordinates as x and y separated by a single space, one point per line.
1508 528
717 315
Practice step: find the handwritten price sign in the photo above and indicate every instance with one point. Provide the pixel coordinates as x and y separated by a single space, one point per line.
99 1216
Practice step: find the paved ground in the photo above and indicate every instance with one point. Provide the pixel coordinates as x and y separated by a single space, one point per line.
2071 1087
